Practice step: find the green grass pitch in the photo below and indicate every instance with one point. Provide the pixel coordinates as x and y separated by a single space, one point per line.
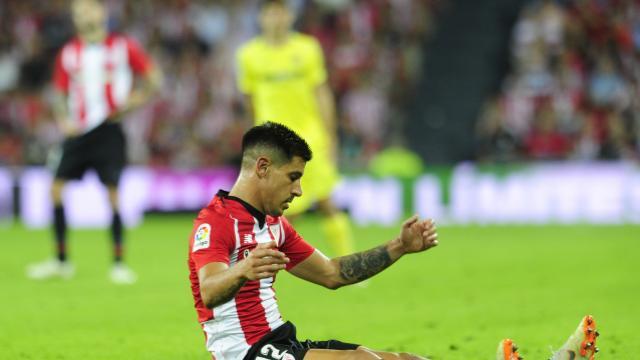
456 301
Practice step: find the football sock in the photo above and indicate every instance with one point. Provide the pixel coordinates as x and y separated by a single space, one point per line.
116 235
337 231
60 231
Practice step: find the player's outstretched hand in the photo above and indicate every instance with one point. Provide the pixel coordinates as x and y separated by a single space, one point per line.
418 235
264 261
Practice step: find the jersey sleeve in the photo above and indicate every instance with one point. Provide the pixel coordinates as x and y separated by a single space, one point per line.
210 242
60 75
139 61
294 246
246 80
316 72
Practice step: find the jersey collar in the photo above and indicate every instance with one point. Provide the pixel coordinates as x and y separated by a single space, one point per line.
262 218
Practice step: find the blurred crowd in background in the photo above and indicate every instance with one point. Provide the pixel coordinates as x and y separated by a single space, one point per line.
373 53
573 90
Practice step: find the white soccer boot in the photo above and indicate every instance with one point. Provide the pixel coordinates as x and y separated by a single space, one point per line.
121 274
581 345
49 269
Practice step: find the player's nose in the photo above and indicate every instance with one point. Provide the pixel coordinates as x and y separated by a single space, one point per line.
297 189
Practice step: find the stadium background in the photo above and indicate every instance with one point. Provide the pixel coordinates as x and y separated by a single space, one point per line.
513 123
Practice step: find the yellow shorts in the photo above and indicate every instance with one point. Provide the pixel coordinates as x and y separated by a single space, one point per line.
319 179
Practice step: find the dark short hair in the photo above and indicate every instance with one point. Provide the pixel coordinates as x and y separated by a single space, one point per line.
274 136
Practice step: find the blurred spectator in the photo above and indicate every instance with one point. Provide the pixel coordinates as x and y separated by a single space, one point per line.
373 49
495 141
545 141
573 91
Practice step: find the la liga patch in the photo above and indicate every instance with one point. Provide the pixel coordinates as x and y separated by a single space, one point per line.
201 240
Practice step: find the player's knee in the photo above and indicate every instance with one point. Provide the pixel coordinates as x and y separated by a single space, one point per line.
113 197
407 356
362 354
56 192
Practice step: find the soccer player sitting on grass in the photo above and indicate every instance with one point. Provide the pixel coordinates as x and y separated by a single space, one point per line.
240 241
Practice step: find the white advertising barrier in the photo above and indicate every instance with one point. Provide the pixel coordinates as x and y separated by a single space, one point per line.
370 200
601 193
567 193
141 190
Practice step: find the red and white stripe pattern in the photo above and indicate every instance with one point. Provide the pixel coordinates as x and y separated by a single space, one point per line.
231 328
98 77
238 324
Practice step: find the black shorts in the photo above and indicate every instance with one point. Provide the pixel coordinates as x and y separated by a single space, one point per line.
102 149
282 344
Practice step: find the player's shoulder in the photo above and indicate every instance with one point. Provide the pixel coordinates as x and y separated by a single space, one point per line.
71 45
304 39
211 226
214 214
253 45
303 42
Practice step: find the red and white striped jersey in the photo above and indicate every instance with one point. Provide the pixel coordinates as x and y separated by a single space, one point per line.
98 77
226 231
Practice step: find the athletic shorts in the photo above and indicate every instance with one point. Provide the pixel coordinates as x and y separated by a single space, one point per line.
282 344
102 149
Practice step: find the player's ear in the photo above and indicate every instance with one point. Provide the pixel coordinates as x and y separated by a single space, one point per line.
262 166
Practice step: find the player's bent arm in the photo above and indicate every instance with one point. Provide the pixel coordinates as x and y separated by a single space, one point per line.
61 114
219 283
415 236
150 83
346 270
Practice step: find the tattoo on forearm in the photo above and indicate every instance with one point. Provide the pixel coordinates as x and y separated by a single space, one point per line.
361 266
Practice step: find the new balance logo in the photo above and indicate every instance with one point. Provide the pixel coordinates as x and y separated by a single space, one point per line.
248 238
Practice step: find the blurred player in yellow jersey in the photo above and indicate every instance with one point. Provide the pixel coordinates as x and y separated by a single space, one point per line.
283 77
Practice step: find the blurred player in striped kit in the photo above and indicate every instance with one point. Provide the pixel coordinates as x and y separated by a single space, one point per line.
283 77
94 80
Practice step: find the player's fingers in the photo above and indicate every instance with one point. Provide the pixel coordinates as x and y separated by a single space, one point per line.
270 267
433 237
276 257
268 260
260 253
410 221
428 224
429 244
275 253
429 232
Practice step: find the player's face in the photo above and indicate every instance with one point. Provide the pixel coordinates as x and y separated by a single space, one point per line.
283 185
275 19
89 17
